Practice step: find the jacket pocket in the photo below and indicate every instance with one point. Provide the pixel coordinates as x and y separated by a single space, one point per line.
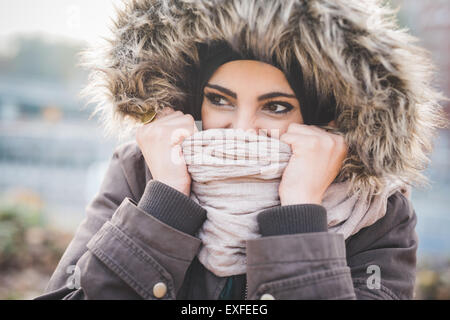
146 254
329 284
128 261
299 266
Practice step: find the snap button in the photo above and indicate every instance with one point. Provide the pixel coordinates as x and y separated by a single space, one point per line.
267 296
159 290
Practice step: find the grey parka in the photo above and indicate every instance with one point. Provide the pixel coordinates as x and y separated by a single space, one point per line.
121 251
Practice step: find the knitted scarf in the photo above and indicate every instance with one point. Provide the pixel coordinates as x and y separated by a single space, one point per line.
235 175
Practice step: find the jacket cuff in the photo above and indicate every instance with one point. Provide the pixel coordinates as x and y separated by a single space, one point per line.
172 207
291 219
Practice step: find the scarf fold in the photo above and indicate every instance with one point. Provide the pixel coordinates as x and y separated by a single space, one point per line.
236 174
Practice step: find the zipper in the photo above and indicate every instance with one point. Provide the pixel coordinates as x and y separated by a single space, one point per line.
246 289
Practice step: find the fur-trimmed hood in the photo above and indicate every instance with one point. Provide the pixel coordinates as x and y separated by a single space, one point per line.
386 106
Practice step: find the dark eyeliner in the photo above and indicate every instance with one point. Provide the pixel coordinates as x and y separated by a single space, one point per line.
288 106
211 96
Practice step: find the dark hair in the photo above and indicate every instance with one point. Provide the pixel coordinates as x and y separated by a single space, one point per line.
316 109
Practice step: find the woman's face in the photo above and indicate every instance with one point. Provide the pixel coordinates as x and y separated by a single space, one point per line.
249 95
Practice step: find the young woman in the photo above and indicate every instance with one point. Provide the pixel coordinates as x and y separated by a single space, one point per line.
336 81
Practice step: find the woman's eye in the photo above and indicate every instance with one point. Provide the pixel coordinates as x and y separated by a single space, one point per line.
275 107
216 99
279 107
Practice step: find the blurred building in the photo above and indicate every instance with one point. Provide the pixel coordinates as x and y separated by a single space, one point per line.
429 21
48 145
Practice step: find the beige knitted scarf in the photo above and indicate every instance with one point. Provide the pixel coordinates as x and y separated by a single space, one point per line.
236 174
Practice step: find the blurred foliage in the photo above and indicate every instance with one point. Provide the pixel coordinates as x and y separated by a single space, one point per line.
16 220
29 248
433 279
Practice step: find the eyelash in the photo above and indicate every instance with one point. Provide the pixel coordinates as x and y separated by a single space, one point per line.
289 107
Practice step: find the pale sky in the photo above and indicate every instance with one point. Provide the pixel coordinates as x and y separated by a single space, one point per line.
70 19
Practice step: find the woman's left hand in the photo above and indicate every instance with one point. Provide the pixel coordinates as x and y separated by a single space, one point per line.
316 160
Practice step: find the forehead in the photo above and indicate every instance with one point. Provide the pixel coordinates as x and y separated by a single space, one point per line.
242 74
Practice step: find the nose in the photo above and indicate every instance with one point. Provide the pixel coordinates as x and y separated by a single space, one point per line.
244 120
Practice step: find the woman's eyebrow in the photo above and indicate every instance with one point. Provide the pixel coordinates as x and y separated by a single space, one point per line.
261 97
275 94
224 90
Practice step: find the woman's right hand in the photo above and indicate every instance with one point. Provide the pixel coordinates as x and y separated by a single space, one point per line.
160 143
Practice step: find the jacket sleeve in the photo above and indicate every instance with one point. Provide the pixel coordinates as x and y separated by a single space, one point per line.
123 248
305 261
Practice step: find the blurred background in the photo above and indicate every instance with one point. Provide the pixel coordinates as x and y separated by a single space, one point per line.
53 155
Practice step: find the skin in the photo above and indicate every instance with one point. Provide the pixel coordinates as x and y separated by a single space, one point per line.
231 101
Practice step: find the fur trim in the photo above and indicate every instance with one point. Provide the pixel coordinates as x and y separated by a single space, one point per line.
387 108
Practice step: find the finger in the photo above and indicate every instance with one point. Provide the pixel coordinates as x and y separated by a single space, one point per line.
181 122
300 128
314 131
317 129
294 126
337 137
300 142
332 123
165 112
331 131
294 138
303 128
168 117
179 134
